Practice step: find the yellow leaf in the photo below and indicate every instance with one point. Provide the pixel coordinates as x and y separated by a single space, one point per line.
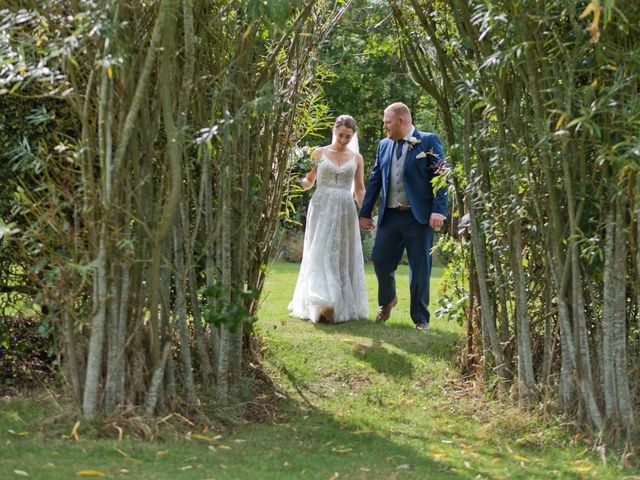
22 473
520 458
110 71
162 453
582 469
561 120
119 430
90 473
183 418
124 454
225 447
341 450
74 431
592 7
201 437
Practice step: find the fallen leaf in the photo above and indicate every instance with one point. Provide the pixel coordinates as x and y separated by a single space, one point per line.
184 419
162 453
21 473
582 469
341 449
119 430
74 431
90 473
124 454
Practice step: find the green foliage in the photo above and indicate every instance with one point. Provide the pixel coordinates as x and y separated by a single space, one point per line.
363 54
221 311
27 351
452 300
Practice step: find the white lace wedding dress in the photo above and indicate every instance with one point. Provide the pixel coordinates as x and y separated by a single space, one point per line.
332 269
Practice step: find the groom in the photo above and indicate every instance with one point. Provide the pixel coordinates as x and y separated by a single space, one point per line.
406 162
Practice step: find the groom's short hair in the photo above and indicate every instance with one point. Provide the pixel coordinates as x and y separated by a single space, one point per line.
400 109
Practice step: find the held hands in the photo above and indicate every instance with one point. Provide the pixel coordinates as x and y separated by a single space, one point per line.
436 221
366 224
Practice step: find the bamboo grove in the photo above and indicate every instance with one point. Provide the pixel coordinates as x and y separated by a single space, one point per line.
540 106
146 223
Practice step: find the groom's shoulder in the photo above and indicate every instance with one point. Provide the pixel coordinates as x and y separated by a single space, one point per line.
426 135
385 142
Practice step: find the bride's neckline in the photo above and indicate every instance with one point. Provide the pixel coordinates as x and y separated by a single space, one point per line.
335 164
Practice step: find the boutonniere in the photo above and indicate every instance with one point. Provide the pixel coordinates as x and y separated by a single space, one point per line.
413 141
422 155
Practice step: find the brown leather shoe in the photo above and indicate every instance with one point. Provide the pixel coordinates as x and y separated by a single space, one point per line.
325 315
385 311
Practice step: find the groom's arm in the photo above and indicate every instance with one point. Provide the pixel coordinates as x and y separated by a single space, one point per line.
373 189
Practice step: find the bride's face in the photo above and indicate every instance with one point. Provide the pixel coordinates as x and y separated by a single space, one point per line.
343 136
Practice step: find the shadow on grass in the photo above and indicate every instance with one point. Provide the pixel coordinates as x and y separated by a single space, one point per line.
318 444
433 344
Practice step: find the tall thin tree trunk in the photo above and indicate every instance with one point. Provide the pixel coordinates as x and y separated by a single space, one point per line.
96 341
180 312
623 393
526 377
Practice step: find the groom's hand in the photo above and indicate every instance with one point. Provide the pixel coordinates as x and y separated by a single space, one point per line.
366 224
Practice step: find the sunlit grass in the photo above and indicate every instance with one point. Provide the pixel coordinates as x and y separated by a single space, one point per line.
362 401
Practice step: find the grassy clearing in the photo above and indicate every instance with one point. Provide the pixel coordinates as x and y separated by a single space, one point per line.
363 401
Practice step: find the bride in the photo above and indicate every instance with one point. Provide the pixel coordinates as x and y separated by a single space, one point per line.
331 286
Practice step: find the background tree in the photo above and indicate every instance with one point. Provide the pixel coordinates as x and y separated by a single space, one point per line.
542 106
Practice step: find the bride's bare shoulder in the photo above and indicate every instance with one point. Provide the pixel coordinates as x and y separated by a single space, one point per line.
317 153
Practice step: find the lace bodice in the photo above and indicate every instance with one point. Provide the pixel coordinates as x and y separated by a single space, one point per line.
331 175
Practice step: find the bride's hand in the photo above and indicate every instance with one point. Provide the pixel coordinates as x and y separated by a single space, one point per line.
366 224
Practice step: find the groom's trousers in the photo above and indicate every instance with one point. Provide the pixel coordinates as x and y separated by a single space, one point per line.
399 231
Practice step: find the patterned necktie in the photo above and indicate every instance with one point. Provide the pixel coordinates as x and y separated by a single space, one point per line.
399 144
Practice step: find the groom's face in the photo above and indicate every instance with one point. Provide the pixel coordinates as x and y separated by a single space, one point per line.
394 126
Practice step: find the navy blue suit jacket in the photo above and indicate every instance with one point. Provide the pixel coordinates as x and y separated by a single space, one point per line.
418 173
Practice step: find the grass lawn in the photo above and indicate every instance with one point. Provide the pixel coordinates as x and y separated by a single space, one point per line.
363 401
